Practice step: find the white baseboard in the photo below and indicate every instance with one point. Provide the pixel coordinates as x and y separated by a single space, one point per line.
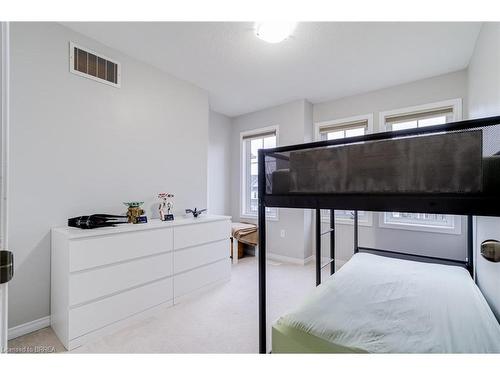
24 329
285 259
308 260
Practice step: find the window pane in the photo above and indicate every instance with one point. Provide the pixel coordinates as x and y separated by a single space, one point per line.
434 220
255 144
432 121
354 132
254 169
335 135
405 125
270 142
251 188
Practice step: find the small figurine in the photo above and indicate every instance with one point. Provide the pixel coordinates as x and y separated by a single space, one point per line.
135 212
165 202
195 212
96 221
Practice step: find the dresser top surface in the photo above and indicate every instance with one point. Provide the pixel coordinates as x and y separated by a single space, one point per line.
73 233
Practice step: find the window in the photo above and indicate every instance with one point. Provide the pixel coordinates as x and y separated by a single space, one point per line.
338 129
417 117
351 130
250 144
419 120
426 222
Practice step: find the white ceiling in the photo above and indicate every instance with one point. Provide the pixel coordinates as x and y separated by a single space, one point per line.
322 61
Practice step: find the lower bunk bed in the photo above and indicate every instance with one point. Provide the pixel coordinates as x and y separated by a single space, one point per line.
378 304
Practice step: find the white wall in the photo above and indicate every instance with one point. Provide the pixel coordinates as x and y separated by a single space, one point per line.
294 121
484 73
80 147
219 162
449 86
484 100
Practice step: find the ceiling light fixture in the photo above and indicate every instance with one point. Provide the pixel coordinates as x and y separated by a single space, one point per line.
274 32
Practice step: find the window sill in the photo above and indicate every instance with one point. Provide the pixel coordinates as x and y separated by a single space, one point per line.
366 222
255 217
456 229
347 222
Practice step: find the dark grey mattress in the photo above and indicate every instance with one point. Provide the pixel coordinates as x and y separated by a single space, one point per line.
444 163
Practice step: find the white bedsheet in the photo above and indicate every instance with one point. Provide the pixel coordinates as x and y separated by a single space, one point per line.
385 305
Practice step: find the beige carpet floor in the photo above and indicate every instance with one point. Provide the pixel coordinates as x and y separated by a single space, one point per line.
223 319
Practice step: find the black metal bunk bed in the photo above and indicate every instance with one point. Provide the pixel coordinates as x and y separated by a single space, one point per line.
472 199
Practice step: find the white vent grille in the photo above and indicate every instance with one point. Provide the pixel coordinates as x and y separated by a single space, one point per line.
89 64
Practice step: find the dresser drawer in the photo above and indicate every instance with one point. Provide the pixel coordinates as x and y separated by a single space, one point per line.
192 257
99 251
191 280
192 235
93 316
88 285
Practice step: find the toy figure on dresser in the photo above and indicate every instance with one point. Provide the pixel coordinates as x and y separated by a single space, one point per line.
167 203
135 213
195 212
96 221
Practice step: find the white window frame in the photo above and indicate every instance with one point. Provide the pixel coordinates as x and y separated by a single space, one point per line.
455 228
367 219
456 106
342 122
256 132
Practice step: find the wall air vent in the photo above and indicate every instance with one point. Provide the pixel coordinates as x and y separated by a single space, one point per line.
89 64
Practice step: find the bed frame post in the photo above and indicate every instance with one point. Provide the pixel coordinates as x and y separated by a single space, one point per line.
318 246
262 253
470 246
332 242
356 245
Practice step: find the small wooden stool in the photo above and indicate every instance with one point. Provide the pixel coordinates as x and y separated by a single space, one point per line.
241 249
242 234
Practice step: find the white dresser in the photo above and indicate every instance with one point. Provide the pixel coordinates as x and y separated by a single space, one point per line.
102 279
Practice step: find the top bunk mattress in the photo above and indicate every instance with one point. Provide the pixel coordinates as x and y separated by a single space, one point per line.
442 163
385 305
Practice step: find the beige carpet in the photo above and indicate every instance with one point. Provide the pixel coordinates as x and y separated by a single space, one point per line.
223 319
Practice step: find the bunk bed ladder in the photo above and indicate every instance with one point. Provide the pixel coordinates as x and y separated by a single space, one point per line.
469 261
330 231
356 228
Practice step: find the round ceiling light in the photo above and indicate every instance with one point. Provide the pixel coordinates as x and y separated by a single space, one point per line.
274 32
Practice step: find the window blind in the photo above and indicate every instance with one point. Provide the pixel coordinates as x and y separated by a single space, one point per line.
448 112
270 133
347 126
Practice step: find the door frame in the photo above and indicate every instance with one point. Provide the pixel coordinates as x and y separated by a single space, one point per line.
4 171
